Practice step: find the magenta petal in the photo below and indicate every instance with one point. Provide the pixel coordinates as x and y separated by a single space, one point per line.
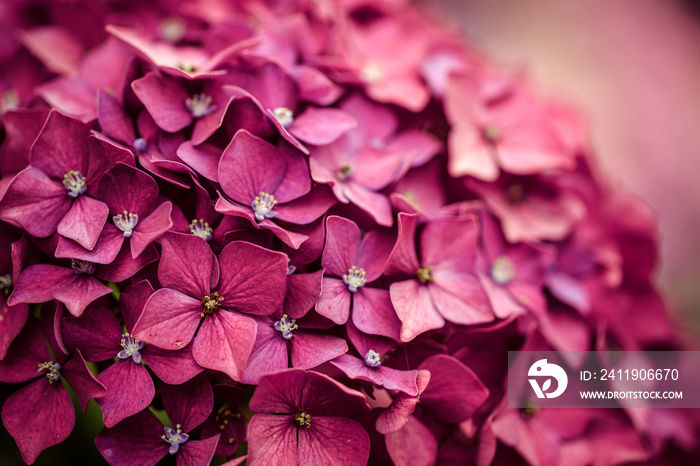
204 159
125 188
323 396
253 279
172 367
320 126
372 312
129 390
37 283
80 293
259 167
334 440
168 320
165 100
269 354
272 440
114 122
188 404
11 324
375 204
97 333
132 301
279 392
403 258
386 377
103 155
334 302
105 251
151 228
413 445
84 221
177 270
26 354
342 246
454 392
465 303
374 253
61 146
414 308
50 410
197 452
35 202
22 126
307 208
124 266
83 383
310 349
303 290
133 442
296 181
396 415
224 343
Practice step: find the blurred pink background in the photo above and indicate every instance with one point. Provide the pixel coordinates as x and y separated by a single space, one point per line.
633 68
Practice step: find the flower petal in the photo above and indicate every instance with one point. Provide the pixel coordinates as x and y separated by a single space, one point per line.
224 343
168 320
130 390
84 221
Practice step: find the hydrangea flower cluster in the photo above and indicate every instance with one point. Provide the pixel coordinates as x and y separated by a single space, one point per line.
304 232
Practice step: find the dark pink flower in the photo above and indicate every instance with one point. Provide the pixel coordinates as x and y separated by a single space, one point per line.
281 340
350 263
439 284
44 400
499 125
56 192
369 367
227 420
512 274
269 183
251 279
369 157
142 440
131 196
302 418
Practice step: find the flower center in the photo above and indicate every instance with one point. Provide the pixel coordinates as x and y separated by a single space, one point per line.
9 100
515 193
530 409
6 283
345 172
223 415
174 437
200 105
172 29
502 270
74 182
371 73
211 303
491 133
424 275
187 67
82 266
131 348
140 145
262 206
53 370
201 228
373 359
303 419
355 278
284 115
127 223
286 327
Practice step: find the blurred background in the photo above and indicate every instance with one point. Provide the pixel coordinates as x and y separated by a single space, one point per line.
633 68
